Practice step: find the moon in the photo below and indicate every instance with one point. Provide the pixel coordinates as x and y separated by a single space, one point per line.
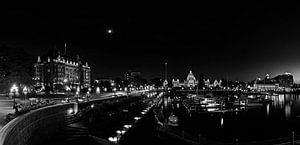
109 31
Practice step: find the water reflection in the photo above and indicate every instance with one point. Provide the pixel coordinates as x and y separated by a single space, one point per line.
272 119
268 110
287 111
285 102
222 121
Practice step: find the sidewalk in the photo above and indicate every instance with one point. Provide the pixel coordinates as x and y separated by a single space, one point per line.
5 108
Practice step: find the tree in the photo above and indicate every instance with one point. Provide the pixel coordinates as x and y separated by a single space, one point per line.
118 82
16 66
157 82
144 81
201 82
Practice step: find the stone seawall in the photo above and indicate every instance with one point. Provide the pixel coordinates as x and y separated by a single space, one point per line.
36 126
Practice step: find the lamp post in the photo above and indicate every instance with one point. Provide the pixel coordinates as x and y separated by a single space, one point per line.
88 94
25 91
68 89
98 90
14 90
77 94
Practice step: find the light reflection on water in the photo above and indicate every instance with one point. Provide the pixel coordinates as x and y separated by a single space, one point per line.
222 122
268 109
271 120
286 102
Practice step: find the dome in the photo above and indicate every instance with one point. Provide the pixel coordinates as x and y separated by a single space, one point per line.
191 76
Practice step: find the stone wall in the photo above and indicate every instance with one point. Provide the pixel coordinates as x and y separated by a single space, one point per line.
36 126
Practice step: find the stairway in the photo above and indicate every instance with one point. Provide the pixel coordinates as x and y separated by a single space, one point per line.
73 134
70 119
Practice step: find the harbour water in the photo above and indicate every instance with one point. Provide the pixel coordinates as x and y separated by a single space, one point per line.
277 119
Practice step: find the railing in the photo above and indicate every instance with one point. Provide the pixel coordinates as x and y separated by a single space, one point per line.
35 126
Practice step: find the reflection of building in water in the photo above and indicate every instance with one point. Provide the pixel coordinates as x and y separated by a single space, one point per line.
287 110
268 109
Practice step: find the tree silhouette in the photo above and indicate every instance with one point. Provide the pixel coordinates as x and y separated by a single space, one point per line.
201 82
157 82
16 66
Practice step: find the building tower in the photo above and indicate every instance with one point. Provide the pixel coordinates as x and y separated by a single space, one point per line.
166 75
166 71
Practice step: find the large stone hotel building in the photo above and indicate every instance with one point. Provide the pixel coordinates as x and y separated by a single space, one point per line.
59 73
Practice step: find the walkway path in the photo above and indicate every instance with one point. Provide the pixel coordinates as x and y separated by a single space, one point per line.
5 108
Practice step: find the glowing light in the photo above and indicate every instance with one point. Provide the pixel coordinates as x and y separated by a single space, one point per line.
14 88
109 31
25 90
137 118
222 121
70 111
113 139
127 126
268 109
98 90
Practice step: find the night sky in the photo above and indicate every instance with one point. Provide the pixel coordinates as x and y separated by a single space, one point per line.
233 42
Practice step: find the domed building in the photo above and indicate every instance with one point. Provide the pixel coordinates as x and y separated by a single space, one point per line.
190 80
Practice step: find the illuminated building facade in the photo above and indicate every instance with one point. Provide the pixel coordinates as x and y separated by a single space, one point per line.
283 82
133 77
60 72
176 83
191 80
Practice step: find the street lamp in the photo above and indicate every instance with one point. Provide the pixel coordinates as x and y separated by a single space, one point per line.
25 91
87 96
77 94
14 89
